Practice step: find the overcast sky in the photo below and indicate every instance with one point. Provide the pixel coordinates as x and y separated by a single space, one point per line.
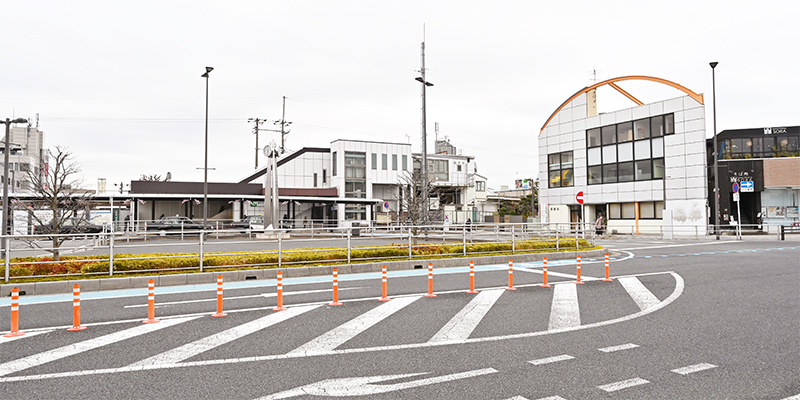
119 83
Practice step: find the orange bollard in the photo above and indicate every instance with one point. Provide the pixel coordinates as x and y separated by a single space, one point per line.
280 306
76 310
472 278
219 312
430 281
608 279
511 275
14 315
383 284
151 303
544 282
335 301
578 282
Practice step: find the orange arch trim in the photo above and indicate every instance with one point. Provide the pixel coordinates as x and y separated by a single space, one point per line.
697 97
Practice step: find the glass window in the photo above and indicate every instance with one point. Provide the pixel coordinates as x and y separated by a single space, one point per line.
374 161
658 168
333 171
595 175
657 126
628 210
566 159
769 145
555 178
405 162
315 179
609 134
647 210
480 186
669 124
441 168
554 161
384 162
394 162
659 209
324 176
609 154
758 147
609 173
625 172
641 129
793 143
624 132
614 211
593 137
625 151
642 149
658 147
566 177
644 170
593 156
355 212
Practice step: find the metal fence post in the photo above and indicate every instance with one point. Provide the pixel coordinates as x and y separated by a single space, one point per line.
8 257
557 240
111 253
577 240
349 231
464 239
280 249
409 243
202 234
513 240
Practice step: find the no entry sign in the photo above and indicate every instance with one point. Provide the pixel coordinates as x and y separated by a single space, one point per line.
579 197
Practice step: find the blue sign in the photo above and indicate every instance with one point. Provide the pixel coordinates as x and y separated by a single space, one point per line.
735 187
747 186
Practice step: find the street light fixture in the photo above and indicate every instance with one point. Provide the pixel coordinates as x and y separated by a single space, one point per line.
6 151
713 65
205 165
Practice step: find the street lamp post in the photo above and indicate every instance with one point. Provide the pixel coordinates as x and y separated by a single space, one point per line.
6 151
714 152
425 198
205 165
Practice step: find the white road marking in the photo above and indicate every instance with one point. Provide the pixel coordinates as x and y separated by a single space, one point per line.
564 312
27 335
550 360
462 324
795 397
613 387
189 350
639 293
341 334
612 349
72 349
365 386
677 245
679 287
694 368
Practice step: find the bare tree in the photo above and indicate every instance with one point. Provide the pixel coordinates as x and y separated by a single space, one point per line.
410 201
58 190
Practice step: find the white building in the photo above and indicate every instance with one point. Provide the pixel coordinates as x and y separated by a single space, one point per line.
27 154
641 168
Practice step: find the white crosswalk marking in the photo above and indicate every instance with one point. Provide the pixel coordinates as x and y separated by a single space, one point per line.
639 293
76 348
192 349
27 335
341 334
462 324
564 312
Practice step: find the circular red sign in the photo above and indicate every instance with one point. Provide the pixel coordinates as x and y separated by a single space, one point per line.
579 197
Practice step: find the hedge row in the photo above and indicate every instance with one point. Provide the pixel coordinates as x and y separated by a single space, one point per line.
153 261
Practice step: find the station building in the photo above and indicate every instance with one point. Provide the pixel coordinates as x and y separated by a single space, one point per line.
642 168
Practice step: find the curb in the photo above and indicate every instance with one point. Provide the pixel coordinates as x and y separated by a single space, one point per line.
133 282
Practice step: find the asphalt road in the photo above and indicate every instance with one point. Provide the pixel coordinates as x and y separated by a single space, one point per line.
681 320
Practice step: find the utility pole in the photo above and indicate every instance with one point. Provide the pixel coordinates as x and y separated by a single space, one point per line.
285 129
257 121
425 195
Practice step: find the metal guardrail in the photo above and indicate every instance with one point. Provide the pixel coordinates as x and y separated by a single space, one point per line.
30 256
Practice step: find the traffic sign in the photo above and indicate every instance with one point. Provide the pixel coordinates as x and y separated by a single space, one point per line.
579 197
386 205
735 187
736 196
747 186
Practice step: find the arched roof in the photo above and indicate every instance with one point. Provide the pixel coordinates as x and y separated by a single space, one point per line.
611 82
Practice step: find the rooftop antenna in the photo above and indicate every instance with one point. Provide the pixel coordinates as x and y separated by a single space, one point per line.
436 128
